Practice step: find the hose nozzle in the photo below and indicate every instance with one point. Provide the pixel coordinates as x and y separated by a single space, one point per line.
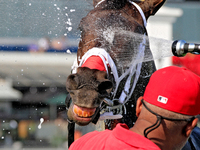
180 48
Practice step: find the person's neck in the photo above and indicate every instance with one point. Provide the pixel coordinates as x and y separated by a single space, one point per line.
141 125
157 136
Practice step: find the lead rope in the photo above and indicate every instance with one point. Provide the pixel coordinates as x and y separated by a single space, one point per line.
71 124
71 130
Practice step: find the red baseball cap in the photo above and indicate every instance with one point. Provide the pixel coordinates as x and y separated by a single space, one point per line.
175 89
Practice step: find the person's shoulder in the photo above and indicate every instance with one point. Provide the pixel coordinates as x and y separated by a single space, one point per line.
90 138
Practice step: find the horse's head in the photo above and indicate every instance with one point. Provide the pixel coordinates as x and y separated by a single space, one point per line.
104 27
87 88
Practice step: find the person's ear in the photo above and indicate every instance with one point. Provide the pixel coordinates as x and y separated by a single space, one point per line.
139 106
190 126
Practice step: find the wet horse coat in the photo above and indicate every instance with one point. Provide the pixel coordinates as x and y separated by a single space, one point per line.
109 59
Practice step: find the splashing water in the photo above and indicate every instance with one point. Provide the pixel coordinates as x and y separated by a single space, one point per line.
159 48
41 121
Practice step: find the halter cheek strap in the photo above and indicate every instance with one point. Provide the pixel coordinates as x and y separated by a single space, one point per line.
141 12
99 3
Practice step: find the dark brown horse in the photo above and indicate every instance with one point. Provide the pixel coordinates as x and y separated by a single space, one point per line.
108 80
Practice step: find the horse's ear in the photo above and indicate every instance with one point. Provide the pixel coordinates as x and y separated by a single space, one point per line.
71 83
156 6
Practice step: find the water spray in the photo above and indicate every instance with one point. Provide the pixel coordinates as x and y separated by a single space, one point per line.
180 48
161 48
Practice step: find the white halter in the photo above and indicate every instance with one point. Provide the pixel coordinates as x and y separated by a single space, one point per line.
135 68
141 12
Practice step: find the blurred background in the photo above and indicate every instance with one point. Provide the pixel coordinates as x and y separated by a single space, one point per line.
38 44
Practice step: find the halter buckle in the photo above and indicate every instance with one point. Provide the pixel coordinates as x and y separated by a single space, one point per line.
112 110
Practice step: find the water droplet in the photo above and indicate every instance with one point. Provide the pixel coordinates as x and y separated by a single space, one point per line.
29 4
68 51
69 22
50 32
41 121
2 137
70 28
72 10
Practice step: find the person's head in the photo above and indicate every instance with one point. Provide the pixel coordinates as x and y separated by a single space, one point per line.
170 105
